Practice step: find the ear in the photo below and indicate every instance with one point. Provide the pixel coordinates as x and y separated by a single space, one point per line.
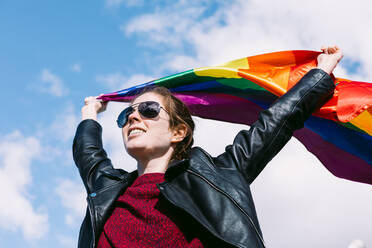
179 133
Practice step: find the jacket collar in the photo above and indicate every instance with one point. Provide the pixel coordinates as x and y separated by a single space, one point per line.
130 177
175 168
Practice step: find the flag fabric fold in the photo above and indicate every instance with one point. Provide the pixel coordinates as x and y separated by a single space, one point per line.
339 134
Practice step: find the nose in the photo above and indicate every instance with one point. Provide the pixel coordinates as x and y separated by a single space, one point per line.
134 117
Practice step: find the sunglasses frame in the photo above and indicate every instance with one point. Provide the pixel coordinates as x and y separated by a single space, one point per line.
122 119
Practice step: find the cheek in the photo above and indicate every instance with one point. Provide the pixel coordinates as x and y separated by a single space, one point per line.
160 132
124 132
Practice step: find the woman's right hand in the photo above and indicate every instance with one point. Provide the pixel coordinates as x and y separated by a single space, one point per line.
92 107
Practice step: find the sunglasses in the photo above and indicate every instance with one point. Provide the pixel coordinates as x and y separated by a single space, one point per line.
148 109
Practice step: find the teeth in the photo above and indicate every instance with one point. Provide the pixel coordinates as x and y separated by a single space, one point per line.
134 131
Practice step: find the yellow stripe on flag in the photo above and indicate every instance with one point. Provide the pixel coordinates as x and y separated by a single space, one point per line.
363 121
227 70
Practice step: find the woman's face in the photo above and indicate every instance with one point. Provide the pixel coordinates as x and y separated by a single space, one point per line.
147 137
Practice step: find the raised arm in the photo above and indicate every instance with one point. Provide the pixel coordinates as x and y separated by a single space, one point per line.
89 155
252 149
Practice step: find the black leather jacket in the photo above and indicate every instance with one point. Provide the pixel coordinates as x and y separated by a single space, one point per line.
213 190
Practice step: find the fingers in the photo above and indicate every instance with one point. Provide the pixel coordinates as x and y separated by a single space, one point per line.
323 49
330 57
330 49
103 102
93 99
89 99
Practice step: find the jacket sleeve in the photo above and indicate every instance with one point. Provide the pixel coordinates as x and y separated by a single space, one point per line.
252 149
89 155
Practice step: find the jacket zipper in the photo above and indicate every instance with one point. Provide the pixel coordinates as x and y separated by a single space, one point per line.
231 199
93 219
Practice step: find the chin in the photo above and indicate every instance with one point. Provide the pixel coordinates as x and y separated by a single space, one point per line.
134 150
135 146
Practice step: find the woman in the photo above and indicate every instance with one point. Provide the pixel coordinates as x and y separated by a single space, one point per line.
181 196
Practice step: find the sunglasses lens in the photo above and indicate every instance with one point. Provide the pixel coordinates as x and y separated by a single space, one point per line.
149 109
123 116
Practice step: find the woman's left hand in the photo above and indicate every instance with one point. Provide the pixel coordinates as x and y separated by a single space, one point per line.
328 60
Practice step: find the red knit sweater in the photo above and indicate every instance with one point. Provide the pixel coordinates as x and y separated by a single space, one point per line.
143 218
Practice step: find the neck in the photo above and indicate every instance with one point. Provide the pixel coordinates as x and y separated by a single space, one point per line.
153 165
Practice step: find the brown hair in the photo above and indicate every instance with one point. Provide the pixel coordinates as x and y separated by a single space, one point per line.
179 114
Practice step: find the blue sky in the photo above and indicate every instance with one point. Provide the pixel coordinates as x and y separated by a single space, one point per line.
54 53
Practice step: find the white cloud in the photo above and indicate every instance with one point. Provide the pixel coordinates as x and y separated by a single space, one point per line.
167 28
67 242
241 28
72 196
58 135
52 84
357 244
64 124
16 209
111 81
76 67
178 63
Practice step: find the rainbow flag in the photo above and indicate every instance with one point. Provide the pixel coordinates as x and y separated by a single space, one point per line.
339 134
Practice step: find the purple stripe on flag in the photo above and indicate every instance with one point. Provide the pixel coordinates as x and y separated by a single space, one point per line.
218 106
337 161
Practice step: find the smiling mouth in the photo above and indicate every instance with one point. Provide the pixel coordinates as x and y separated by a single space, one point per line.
135 131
